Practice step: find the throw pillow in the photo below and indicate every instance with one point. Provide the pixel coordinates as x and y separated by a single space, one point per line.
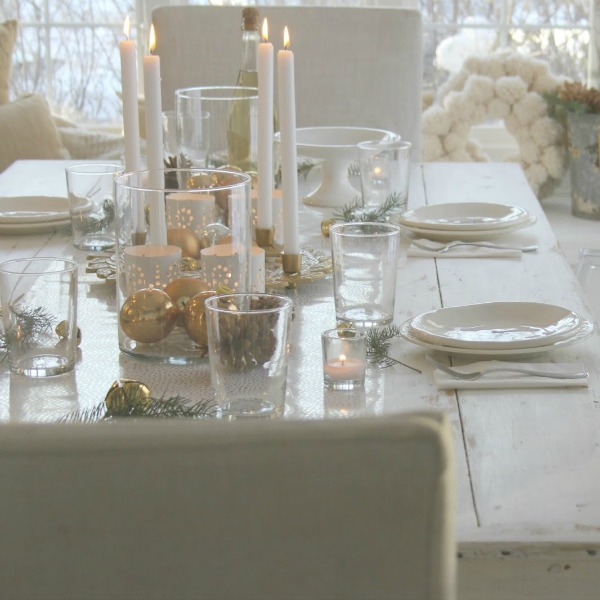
86 144
8 37
27 130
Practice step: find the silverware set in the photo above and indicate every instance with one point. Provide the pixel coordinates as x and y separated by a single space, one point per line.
477 374
441 248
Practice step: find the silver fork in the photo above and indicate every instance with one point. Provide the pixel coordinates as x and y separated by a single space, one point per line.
526 371
450 245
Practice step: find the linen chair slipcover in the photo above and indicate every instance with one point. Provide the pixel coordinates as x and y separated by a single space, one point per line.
354 66
357 509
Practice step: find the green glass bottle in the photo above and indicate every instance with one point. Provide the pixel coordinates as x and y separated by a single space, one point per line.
241 135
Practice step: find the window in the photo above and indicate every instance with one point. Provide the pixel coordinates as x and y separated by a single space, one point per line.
68 49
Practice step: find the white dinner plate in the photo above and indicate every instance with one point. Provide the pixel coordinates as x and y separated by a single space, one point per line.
37 209
584 329
32 228
495 325
464 216
465 235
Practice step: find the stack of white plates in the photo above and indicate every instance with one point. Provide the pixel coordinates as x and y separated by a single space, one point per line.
497 328
35 214
465 221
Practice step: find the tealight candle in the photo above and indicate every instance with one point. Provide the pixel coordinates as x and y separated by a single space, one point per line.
344 358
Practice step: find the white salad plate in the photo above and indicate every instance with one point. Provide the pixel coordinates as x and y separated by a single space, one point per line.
37 209
464 216
496 325
584 329
465 235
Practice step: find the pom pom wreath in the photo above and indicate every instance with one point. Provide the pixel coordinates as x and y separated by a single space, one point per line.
506 86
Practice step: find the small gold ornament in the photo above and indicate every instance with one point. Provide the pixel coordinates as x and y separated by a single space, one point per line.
186 240
62 331
194 318
148 316
124 393
326 226
182 290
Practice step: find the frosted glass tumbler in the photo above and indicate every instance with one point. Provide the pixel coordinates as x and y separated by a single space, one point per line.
365 258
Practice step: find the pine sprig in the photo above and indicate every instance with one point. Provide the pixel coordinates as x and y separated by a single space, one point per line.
95 223
354 211
378 346
139 406
31 323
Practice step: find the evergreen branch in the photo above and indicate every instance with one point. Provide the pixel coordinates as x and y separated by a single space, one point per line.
378 346
95 223
354 212
137 405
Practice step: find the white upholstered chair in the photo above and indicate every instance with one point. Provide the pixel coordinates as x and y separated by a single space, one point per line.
357 509
355 66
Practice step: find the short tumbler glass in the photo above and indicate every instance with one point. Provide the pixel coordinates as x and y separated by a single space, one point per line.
39 312
248 348
92 205
385 173
365 263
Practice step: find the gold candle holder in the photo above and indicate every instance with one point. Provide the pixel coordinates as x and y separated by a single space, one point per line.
265 237
291 263
138 238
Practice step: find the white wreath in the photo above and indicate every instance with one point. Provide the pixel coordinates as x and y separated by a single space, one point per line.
505 86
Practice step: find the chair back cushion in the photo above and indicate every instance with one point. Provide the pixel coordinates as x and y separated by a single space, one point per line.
354 66
264 510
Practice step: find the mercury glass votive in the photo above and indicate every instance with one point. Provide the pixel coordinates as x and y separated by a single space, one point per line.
344 358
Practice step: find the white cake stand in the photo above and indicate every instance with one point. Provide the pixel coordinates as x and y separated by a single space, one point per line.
336 148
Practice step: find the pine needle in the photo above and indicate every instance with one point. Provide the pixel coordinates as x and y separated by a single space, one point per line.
378 346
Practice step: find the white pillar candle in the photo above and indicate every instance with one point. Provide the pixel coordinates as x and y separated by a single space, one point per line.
154 141
131 123
265 130
289 166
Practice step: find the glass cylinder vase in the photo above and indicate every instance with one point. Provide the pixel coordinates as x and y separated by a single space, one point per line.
164 219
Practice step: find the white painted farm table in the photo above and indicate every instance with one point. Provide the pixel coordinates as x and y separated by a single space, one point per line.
528 506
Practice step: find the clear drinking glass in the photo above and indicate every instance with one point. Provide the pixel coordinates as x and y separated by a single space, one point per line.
365 263
39 312
218 126
385 171
90 189
248 344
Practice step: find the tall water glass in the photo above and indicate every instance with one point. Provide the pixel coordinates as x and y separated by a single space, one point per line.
218 126
365 263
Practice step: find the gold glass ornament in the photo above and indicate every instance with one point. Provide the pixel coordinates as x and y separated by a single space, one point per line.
182 290
148 316
194 318
186 240
124 393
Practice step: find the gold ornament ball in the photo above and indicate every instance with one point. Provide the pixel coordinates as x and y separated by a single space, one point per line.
186 240
124 392
199 181
148 316
194 318
182 290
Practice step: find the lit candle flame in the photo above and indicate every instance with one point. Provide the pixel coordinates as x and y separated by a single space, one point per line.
265 30
286 38
342 359
126 27
152 40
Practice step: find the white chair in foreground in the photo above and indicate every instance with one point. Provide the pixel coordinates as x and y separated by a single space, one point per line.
355 66
358 509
